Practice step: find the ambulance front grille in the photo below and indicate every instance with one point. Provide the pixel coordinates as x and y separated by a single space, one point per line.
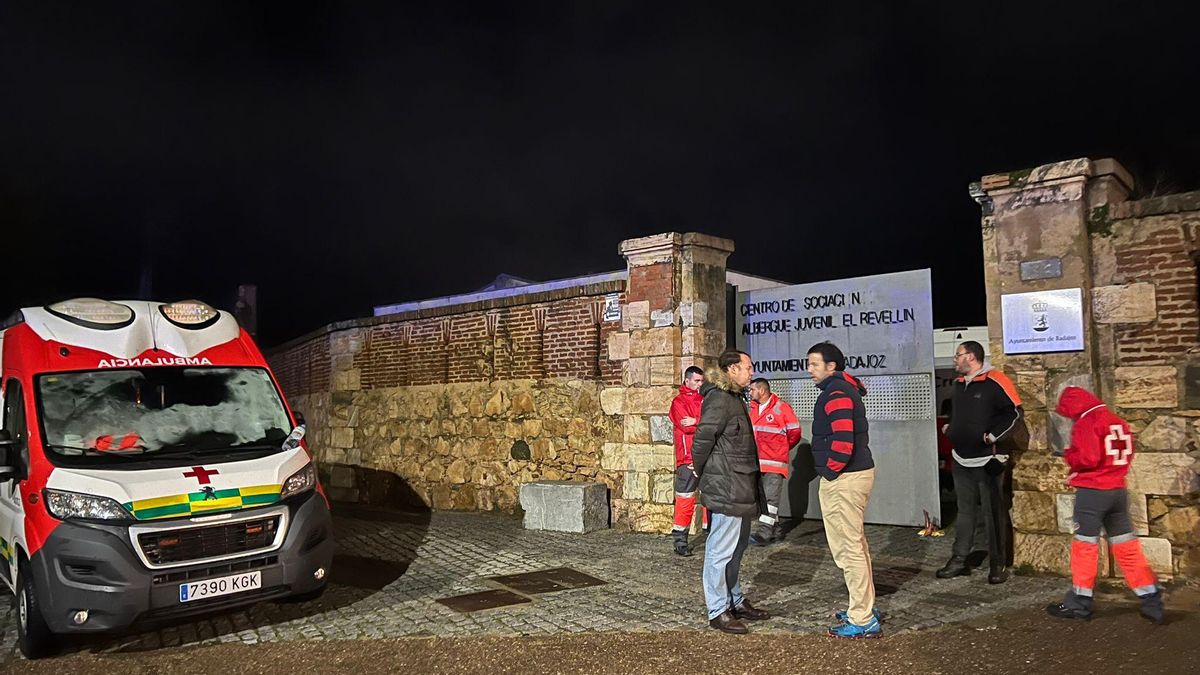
203 543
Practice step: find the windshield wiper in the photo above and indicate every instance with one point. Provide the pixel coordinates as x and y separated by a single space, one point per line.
93 452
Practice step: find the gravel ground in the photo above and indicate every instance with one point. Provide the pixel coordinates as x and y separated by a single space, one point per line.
1020 641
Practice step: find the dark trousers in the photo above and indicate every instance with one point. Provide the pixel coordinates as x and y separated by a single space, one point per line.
980 497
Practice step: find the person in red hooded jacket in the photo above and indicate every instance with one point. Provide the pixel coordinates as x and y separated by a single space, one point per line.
685 411
1098 457
776 432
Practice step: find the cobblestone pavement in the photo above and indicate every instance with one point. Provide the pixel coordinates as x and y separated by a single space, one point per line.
390 571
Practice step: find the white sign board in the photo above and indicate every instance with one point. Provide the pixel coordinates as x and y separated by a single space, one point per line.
1043 321
883 324
612 307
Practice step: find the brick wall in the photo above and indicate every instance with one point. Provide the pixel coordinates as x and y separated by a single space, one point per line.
303 368
1159 248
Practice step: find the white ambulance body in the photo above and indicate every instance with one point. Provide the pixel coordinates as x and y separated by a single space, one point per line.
149 468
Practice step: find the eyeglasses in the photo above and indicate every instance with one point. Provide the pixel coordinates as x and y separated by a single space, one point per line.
959 355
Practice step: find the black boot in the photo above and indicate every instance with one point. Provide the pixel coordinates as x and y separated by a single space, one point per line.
957 567
764 535
680 543
1152 608
997 574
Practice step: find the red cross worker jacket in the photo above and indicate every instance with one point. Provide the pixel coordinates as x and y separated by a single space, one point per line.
686 404
776 431
1101 447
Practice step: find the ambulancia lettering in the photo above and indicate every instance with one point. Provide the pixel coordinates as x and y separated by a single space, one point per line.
154 362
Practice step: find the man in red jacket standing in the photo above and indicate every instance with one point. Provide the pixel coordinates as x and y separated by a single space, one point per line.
776 431
1099 456
685 411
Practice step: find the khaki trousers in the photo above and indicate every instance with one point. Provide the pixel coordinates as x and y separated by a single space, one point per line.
843 502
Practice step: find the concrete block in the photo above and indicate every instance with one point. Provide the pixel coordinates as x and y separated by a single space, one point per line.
565 506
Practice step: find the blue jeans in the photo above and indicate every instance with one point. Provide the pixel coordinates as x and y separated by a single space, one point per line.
728 537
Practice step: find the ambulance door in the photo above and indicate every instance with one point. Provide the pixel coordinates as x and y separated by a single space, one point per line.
17 459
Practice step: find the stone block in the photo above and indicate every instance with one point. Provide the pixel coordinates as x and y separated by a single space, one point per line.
693 313
648 517
649 400
637 429
1039 473
565 506
1139 513
636 457
1146 387
1163 473
618 346
342 477
498 404
1043 552
635 372
655 342
696 340
1034 512
1129 303
1031 386
1165 433
664 370
612 400
662 429
637 486
636 316
1065 508
1158 554
1182 525
661 318
341 437
347 380
662 488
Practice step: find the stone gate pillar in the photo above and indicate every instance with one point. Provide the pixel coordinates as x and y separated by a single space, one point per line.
1036 238
674 317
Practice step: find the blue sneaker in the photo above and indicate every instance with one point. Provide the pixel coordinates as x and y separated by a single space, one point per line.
844 617
853 632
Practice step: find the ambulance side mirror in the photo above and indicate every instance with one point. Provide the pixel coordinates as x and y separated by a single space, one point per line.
299 417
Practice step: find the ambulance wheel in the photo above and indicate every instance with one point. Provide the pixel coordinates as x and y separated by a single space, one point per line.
33 635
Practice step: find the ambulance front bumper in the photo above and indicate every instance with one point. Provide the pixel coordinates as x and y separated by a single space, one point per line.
101 569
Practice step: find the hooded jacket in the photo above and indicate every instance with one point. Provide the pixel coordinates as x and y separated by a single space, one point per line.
988 403
1101 447
840 442
686 404
776 431
724 453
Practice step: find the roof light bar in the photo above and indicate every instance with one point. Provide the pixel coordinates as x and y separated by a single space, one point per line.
190 314
93 313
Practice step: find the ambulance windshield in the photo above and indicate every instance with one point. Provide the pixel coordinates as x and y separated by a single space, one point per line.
106 417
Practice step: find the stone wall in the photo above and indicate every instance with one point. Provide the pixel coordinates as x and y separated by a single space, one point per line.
462 446
1136 264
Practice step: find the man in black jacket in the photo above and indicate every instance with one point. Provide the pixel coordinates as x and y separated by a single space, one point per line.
726 460
986 410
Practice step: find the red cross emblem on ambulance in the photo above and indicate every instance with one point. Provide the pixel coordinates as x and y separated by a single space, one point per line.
201 474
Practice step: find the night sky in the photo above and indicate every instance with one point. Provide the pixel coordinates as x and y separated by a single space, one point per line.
343 157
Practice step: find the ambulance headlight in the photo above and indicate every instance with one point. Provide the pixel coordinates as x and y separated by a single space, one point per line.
302 481
64 505
190 314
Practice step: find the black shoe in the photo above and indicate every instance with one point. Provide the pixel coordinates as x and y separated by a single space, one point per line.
726 622
1060 611
750 612
957 567
1152 608
681 548
997 575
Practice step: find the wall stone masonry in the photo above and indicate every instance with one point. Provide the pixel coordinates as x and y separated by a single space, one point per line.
1135 262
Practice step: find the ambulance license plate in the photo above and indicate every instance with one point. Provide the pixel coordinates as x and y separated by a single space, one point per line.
211 588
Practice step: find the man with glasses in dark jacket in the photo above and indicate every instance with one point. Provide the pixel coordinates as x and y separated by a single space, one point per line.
726 460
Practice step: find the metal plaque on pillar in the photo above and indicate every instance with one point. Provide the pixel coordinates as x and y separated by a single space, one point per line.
1042 321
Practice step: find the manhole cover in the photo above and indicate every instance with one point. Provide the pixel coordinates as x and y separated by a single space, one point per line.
547 581
474 602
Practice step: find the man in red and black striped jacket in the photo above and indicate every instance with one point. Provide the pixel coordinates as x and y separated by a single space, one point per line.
842 457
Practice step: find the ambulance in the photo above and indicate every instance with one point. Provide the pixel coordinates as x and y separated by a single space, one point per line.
150 469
